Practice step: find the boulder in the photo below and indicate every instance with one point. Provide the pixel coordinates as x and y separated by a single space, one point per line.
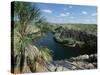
80 58
93 58
51 67
89 66
65 69
74 68
60 68
84 57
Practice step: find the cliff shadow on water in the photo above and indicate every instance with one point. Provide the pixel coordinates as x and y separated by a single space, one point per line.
60 51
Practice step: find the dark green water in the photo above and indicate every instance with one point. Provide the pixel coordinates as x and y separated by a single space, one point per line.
59 51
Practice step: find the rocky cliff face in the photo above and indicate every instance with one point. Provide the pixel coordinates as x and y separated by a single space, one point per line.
81 62
76 38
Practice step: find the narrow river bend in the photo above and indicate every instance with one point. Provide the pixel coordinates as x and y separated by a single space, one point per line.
59 51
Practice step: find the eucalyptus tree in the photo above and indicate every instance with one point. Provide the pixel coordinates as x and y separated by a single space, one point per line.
26 13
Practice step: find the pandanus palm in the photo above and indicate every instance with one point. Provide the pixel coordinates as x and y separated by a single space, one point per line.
25 14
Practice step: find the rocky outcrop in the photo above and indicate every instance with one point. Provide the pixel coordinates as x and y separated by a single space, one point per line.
81 62
76 38
85 57
59 65
85 61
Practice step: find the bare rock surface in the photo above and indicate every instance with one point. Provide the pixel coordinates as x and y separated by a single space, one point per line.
81 62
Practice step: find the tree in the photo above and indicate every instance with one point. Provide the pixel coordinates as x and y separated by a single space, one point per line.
25 14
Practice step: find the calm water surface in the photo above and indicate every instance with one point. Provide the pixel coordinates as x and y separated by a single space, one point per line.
59 51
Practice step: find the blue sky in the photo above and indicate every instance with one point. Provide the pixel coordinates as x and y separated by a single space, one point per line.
64 13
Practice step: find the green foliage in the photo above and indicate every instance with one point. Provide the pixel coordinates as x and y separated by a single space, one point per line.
44 26
46 54
26 12
81 35
26 15
89 28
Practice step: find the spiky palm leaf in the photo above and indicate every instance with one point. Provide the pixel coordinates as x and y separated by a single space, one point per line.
27 13
45 53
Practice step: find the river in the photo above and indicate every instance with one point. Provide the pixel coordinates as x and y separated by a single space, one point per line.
59 51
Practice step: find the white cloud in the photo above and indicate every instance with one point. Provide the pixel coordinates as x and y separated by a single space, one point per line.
47 10
65 14
84 12
93 14
62 14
